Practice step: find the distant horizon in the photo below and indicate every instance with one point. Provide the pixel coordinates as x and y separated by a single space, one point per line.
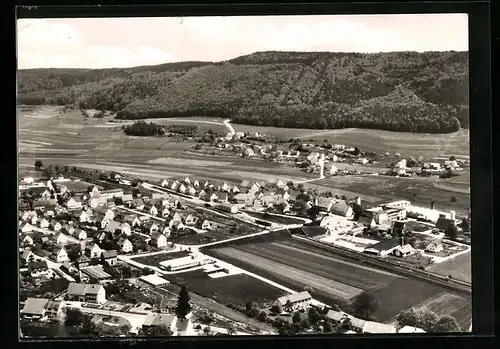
229 59
98 43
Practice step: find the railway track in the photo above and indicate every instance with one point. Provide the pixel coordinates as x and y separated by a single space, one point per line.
454 285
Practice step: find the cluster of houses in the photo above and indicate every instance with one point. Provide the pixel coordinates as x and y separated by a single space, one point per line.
303 300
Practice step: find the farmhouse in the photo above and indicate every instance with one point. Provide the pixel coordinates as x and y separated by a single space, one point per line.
295 301
324 204
93 293
341 208
384 247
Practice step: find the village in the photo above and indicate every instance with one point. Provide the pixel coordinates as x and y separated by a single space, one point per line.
83 245
324 158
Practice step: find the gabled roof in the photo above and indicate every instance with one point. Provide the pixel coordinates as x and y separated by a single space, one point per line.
340 207
385 245
155 319
245 184
80 289
35 306
295 297
365 220
127 197
112 226
323 202
109 254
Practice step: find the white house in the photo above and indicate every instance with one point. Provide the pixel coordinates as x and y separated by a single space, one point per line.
182 189
196 184
164 183
93 250
191 220
125 245
93 293
295 301
73 204
106 212
60 255
26 227
434 247
55 225
43 223
158 240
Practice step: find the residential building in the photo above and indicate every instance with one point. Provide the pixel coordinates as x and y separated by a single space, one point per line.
43 223
341 208
92 293
73 203
111 257
54 309
80 234
34 308
150 227
108 213
125 245
230 208
434 247
55 225
59 255
132 220
295 301
384 247
158 240
25 227
191 220
93 250
38 269
110 194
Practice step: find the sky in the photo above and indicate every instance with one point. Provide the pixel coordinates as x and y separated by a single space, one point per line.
128 42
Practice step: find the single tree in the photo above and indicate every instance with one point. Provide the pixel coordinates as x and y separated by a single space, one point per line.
305 324
408 318
262 316
206 330
38 164
231 330
446 323
313 316
183 307
357 211
365 305
327 327
73 317
451 232
277 308
356 151
250 305
453 199
428 320
465 225
453 158
296 317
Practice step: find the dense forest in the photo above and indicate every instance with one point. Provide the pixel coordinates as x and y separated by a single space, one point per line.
399 91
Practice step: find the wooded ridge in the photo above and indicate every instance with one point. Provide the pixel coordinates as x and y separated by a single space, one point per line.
398 91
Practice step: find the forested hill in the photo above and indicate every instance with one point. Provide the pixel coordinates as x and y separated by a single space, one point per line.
400 91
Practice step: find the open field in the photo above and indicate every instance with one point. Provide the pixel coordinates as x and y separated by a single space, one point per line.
458 267
420 191
235 289
296 266
156 259
407 293
450 304
417 226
